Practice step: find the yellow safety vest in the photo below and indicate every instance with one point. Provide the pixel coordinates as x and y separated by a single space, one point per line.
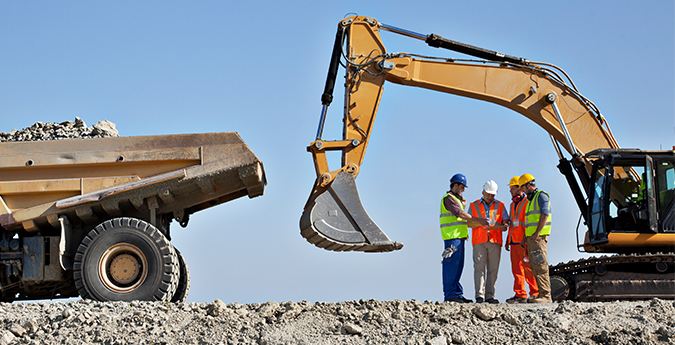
451 226
532 215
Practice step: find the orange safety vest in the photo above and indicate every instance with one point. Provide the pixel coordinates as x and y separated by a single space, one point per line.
517 228
479 235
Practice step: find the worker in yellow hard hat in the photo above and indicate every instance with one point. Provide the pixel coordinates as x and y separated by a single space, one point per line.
537 228
520 263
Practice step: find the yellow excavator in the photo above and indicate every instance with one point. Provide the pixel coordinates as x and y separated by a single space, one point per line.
626 196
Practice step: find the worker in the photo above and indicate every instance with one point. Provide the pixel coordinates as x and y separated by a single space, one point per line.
520 265
487 242
454 231
537 229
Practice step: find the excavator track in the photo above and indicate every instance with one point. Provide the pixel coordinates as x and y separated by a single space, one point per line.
615 277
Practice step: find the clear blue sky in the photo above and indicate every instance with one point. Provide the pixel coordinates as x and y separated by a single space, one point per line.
258 68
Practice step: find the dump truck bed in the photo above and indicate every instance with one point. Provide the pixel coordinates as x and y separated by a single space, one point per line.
89 180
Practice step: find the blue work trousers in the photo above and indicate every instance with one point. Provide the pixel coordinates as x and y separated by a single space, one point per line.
453 265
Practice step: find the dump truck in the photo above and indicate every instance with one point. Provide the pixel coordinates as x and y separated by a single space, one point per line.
625 196
91 217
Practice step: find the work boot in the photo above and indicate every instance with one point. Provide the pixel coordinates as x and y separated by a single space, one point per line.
459 300
516 299
492 300
529 299
540 300
479 300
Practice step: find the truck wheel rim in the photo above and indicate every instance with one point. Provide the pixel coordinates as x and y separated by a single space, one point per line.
123 267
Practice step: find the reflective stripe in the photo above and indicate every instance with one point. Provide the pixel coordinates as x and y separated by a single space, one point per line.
515 223
453 224
447 215
537 223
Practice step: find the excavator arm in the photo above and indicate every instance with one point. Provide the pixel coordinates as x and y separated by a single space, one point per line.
333 217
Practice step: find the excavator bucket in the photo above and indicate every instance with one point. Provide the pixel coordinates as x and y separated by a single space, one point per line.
335 219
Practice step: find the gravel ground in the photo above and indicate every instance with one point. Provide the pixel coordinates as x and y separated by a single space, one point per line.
352 322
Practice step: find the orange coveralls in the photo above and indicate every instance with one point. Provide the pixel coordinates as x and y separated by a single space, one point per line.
520 265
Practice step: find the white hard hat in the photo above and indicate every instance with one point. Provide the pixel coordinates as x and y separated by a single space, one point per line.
490 187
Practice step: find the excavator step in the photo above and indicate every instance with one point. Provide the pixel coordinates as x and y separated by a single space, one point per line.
336 220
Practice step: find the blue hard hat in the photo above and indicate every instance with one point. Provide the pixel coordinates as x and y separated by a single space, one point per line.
458 178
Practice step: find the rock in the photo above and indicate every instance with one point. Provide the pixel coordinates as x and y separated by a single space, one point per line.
666 333
67 313
17 330
6 338
216 308
458 338
440 340
268 309
79 122
510 319
31 325
352 328
105 128
485 314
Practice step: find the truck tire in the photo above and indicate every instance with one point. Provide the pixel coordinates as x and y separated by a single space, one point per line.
183 288
125 259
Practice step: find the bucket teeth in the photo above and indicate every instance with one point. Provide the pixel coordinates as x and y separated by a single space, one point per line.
336 220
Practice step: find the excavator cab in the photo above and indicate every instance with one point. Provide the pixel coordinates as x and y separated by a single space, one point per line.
627 189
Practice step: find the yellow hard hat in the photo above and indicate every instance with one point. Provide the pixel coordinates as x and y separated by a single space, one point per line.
523 180
514 181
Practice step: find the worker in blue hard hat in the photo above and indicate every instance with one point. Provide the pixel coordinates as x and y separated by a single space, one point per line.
455 224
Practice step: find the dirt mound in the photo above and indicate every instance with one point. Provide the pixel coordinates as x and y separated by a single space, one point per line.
64 130
353 322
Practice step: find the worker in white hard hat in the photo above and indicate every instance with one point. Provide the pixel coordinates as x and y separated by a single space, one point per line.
487 241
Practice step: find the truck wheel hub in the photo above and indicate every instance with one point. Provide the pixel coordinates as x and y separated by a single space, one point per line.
123 267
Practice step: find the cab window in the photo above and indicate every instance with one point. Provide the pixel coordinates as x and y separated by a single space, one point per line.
665 183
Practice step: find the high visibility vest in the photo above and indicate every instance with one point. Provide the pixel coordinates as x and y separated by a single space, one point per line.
452 227
495 215
517 228
532 215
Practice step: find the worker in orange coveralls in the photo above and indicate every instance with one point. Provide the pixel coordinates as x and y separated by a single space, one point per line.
520 265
